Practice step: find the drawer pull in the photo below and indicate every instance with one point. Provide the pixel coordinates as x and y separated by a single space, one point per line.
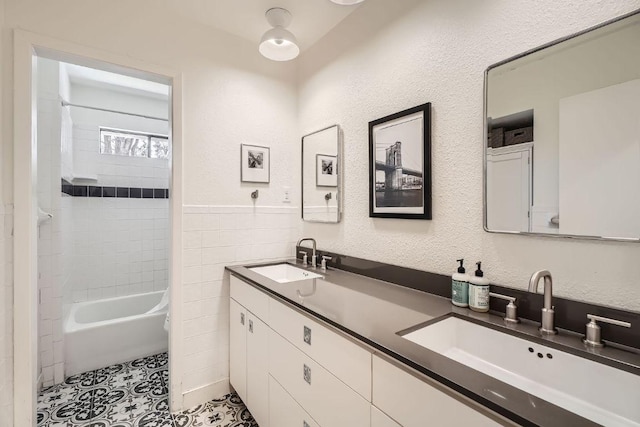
305 424
242 318
307 335
307 374
250 325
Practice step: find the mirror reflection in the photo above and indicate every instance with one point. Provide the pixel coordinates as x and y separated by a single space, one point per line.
320 175
563 137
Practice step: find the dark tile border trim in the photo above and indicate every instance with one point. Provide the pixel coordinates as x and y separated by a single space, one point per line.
119 192
569 314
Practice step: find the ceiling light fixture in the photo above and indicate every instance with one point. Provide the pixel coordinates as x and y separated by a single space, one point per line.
347 2
279 44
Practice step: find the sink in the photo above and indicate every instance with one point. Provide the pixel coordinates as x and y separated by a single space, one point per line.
285 273
595 391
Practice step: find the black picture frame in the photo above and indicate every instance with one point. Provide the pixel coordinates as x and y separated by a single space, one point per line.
406 194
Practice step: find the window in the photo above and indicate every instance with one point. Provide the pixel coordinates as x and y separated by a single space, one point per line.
133 144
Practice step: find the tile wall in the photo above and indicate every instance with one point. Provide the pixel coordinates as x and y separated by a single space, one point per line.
120 244
121 247
215 236
54 250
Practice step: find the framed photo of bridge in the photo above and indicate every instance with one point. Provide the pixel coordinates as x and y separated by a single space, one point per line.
400 164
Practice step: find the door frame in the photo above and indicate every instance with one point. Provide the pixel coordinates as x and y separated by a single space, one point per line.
27 47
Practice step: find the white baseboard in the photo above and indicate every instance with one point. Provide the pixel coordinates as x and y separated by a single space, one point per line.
204 394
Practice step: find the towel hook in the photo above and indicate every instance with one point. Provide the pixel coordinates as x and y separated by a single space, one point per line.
327 196
254 194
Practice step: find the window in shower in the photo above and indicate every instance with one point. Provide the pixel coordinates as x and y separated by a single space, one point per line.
133 144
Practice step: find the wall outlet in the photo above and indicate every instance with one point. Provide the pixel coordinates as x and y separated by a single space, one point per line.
286 194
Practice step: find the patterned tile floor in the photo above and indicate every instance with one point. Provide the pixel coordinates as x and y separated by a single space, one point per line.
129 395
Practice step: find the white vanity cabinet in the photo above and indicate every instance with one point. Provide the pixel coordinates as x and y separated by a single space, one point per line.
293 371
248 347
415 402
284 411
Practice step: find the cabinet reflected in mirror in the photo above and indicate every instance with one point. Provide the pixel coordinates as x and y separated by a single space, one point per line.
321 178
562 147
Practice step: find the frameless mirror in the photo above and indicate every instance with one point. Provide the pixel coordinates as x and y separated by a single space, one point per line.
321 175
562 143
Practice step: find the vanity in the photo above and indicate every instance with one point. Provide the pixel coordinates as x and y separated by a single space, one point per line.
342 349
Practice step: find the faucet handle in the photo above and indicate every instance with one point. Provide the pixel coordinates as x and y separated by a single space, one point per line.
511 312
323 263
592 337
304 257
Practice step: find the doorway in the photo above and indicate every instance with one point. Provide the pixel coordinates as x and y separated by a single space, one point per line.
29 363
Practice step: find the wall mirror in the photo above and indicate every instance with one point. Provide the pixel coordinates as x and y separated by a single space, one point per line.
321 175
562 141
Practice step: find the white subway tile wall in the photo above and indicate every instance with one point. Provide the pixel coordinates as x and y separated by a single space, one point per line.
6 315
54 249
121 247
215 236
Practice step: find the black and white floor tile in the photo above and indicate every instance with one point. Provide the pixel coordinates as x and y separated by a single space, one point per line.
228 411
131 394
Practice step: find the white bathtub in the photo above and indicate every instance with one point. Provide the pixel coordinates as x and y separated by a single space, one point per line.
114 330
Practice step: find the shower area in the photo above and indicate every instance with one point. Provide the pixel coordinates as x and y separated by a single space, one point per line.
103 154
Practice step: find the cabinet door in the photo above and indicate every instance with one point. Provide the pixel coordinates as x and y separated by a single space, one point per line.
411 401
238 348
327 399
258 369
284 411
380 419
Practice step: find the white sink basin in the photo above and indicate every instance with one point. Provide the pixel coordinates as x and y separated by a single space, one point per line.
284 273
595 391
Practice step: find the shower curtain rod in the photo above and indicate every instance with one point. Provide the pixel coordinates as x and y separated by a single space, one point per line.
69 104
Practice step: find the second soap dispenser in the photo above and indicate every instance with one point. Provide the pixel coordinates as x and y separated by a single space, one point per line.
479 291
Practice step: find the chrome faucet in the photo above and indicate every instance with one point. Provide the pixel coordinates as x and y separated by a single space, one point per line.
547 326
313 254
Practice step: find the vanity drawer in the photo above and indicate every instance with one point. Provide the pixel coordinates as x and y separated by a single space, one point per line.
340 356
249 297
380 419
284 411
410 400
327 399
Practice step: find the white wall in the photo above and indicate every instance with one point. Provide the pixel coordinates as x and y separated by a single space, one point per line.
120 245
54 256
385 58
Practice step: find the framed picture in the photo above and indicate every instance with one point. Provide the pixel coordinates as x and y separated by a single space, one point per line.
326 170
254 163
400 164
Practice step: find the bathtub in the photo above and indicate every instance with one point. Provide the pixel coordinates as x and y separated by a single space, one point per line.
114 330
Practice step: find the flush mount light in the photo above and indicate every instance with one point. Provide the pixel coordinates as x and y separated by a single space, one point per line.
279 44
347 2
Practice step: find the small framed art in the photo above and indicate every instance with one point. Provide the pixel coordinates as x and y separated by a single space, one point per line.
326 170
254 163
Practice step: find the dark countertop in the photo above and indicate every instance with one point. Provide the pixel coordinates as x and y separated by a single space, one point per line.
374 311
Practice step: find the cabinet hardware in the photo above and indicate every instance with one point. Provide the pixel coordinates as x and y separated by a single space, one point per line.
242 318
307 335
250 325
307 374
304 424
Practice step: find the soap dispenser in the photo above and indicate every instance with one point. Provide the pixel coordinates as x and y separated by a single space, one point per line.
460 287
479 291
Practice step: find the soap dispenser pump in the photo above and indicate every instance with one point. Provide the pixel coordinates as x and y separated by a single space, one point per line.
460 286
479 291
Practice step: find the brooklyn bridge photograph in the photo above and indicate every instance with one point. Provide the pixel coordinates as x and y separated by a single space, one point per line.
399 158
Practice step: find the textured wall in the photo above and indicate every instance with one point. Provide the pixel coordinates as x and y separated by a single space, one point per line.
385 58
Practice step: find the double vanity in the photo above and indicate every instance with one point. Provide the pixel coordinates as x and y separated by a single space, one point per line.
332 348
